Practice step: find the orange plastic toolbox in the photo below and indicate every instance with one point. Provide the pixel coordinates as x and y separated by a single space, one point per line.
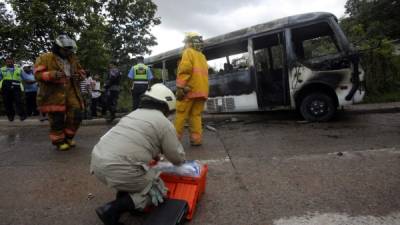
186 188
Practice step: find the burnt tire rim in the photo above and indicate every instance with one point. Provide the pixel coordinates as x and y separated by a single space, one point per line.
318 107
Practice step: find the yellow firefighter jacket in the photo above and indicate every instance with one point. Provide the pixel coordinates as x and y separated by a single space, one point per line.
193 73
52 92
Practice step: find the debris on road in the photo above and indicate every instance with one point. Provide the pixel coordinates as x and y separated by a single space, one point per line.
234 119
90 196
211 128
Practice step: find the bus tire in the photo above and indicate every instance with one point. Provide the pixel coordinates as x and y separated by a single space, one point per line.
317 107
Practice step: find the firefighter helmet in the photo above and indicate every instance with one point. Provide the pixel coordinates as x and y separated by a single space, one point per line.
64 41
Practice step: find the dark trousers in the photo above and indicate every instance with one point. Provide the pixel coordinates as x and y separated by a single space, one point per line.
93 106
12 97
111 102
87 101
30 101
137 92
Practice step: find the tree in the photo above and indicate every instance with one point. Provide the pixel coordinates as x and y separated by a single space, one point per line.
94 51
373 25
105 29
377 17
38 22
6 31
129 24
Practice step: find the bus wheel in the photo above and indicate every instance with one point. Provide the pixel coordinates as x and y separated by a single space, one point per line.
317 107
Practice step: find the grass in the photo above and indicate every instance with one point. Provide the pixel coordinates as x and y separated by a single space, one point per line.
124 102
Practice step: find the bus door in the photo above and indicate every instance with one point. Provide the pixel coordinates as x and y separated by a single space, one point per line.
271 70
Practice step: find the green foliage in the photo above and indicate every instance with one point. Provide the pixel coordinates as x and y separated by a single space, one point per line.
105 29
125 97
377 16
37 23
129 27
94 52
372 26
391 96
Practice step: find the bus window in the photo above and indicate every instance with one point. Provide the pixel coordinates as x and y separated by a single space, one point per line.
216 66
157 73
314 41
171 67
228 64
156 69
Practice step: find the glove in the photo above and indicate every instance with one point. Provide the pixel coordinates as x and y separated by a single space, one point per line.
156 197
180 94
158 192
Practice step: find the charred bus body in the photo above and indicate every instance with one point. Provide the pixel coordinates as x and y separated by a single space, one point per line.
302 62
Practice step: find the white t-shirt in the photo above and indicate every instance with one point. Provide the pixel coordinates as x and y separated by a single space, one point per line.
96 90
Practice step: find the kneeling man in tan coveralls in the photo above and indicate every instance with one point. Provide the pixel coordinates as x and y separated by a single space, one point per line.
121 158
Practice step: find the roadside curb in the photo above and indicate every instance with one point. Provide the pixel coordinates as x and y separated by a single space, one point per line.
35 122
392 107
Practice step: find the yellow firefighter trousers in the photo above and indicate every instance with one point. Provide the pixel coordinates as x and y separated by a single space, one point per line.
65 124
190 109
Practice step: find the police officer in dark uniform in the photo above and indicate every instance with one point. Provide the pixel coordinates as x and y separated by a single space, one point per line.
12 90
141 75
112 88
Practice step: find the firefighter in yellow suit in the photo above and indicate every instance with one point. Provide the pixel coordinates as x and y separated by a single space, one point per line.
192 88
58 74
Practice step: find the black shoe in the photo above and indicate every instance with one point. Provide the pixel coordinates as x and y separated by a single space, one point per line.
22 118
121 194
108 214
10 118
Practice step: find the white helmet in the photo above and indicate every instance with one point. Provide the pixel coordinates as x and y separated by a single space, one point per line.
26 65
64 41
163 93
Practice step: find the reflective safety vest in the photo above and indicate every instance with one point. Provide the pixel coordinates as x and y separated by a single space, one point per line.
140 72
15 76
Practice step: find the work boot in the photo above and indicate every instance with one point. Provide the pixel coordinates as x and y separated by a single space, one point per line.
62 146
121 194
110 213
10 118
70 142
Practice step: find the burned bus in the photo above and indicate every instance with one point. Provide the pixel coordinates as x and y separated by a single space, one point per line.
303 62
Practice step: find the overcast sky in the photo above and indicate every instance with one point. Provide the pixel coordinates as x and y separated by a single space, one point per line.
214 17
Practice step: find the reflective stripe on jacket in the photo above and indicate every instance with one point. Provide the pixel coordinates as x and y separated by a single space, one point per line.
51 96
193 73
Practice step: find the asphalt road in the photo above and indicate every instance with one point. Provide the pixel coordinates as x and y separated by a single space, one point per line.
264 169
